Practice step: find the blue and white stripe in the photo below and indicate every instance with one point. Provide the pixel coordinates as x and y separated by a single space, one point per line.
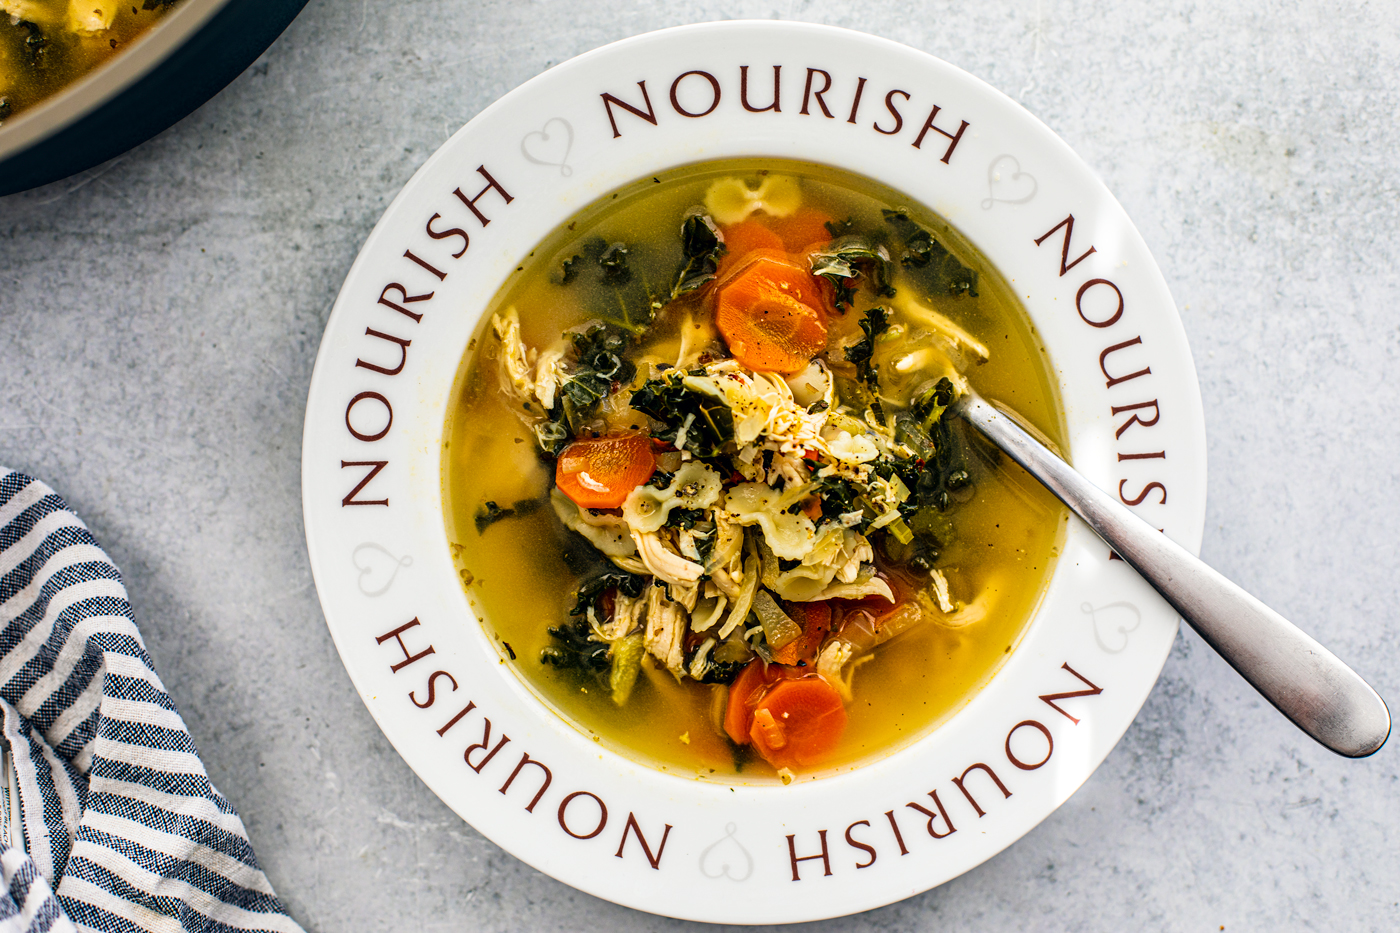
122 829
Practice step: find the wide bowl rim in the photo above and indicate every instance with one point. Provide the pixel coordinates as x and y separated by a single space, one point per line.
331 581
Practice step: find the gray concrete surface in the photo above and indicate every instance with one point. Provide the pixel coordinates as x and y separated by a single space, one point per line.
159 317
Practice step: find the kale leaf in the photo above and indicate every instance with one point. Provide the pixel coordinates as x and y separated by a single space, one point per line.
703 246
875 323
591 592
708 424
848 258
489 513
722 672
938 441
600 369
611 285
577 648
929 262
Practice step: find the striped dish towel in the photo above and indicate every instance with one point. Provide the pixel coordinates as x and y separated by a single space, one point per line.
107 818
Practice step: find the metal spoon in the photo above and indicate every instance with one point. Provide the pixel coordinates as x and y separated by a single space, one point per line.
1306 682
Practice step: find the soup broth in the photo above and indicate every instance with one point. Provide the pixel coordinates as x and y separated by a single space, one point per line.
904 309
45 45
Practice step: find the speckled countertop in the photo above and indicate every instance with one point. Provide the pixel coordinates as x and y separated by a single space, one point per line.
159 317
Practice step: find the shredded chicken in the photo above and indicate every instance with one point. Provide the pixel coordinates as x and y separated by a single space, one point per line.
628 612
662 562
665 631
830 664
517 362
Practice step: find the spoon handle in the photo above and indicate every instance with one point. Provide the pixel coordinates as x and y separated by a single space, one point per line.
1306 682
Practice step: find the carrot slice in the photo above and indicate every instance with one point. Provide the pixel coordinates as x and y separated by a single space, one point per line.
743 238
802 230
744 694
797 722
599 473
815 619
768 313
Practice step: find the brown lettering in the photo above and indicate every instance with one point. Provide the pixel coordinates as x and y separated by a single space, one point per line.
898 836
855 104
857 844
1142 495
405 297
359 436
375 467
898 120
648 115
1065 264
1156 455
1049 745
403 353
954 137
471 705
1119 409
413 696
397 635
932 816
744 90
1115 380
966 793
808 93
823 855
409 254
602 814
633 827
481 746
525 759
675 99
444 234
1079 303
491 185
1093 691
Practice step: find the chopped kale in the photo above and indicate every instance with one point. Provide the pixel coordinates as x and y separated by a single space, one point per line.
928 428
840 497
612 284
592 590
875 323
706 422
576 649
614 264
490 512
703 246
722 672
845 259
568 269
35 44
600 369
840 228
684 518
928 262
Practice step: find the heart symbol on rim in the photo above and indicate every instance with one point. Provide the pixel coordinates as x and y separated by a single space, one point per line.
545 148
1116 620
726 857
377 567
999 183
